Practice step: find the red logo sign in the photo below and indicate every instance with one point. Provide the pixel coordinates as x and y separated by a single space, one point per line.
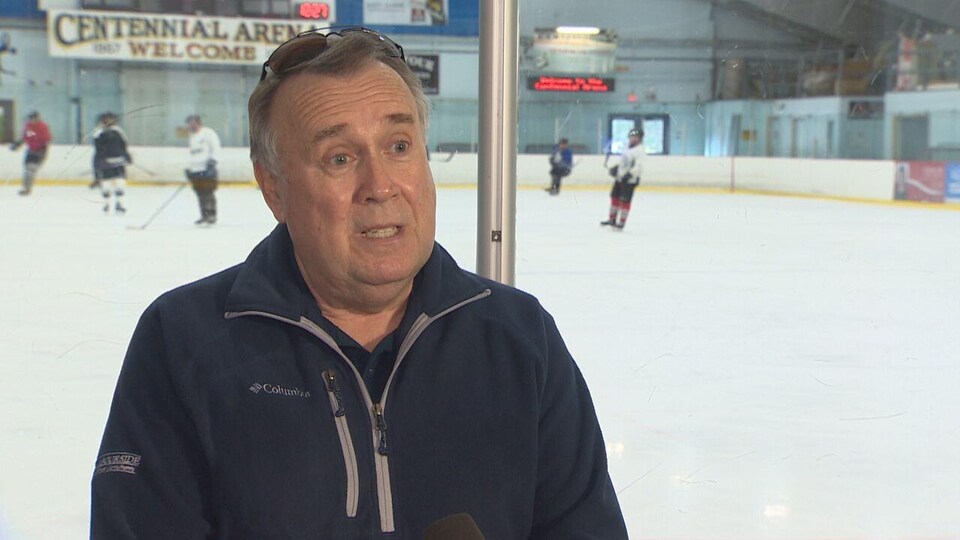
920 181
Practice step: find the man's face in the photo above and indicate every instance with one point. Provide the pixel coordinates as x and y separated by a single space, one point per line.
354 185
193 125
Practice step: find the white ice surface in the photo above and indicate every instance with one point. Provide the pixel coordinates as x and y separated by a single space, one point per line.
762 367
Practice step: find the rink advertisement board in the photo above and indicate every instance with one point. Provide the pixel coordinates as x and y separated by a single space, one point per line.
952 191
405 12
154 37
920 181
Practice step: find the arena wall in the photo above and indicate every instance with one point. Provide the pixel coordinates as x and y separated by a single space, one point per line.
855 179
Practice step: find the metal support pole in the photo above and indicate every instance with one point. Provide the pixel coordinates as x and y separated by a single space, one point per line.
497 159
841 59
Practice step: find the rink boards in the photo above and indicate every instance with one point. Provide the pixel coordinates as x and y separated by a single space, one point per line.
853 179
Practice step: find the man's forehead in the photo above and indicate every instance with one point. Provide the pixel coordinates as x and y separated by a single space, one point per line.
328 131
376 77
318 107
330 92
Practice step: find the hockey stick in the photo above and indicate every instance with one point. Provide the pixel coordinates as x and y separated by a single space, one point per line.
144 169
160 209
447 159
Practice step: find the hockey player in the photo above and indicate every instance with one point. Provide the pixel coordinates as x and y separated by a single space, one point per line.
202 167
561 163
36 135
95 184
111 158
626 176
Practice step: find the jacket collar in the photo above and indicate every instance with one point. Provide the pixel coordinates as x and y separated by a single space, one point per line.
269 281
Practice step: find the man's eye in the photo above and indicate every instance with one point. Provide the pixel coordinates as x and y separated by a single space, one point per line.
401 146
340 159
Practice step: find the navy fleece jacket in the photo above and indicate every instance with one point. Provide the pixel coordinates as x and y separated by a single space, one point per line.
237 416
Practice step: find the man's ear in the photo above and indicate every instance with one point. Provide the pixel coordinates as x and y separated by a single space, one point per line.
271 189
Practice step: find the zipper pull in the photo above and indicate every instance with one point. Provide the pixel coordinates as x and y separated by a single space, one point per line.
381 428
334 388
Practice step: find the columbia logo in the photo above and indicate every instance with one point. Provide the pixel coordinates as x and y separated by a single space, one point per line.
267 388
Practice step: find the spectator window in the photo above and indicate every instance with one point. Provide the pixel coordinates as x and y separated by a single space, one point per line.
265 8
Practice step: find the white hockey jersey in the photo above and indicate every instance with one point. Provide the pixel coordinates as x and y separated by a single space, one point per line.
204 146
632 162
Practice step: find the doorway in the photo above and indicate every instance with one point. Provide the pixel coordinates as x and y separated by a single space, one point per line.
656 129
911 138
7 130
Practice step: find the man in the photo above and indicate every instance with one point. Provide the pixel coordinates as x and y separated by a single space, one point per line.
110 159
626 177
202 167
561 163
348 380
36 134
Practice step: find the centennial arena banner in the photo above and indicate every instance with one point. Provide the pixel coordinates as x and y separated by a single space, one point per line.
155 37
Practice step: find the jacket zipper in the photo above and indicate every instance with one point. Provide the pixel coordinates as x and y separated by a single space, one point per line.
385 494
376 410
382 466
346 442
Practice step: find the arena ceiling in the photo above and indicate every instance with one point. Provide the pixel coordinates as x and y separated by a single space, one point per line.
860 22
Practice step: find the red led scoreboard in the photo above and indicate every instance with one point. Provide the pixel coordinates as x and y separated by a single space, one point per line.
314 10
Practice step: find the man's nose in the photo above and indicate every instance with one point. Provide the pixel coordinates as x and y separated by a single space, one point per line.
376 180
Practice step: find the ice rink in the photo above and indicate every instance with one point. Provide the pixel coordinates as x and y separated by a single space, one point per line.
763 367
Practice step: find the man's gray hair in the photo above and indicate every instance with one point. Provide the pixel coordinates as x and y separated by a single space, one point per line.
343 57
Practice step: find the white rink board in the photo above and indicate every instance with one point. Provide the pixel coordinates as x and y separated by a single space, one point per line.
857 179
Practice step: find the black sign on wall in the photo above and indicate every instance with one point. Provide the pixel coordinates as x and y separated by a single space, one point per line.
865 110
427 68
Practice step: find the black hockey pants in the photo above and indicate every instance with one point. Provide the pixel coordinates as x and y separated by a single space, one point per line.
205 186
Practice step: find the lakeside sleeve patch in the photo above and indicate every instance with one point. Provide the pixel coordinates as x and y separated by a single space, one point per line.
117 462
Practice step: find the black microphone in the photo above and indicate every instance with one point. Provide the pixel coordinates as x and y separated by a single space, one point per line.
455 527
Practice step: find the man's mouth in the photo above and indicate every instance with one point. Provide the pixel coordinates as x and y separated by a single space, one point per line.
384 232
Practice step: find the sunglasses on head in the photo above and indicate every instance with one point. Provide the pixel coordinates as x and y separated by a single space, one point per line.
295 53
